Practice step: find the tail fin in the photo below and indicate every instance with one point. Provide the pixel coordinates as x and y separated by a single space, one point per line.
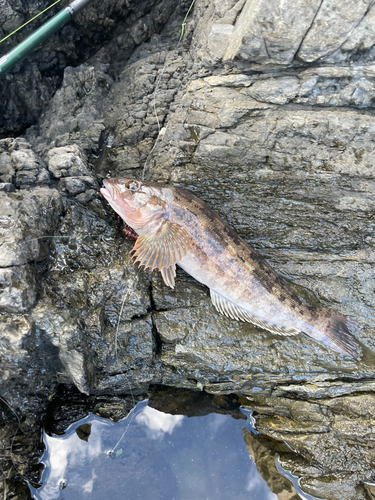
334 329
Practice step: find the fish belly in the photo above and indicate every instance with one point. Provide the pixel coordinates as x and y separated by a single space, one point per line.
243 293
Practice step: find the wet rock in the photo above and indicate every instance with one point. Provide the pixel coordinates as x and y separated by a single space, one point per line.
264 453
17 288
334 437
279 147
26 217
20 166
223 355
94 305
30 86
69 165
176 401
64 332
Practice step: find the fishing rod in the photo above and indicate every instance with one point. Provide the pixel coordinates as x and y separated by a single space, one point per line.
47 29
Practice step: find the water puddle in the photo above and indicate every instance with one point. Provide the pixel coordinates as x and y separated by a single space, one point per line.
155 455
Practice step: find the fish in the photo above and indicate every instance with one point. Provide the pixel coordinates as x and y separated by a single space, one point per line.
175 227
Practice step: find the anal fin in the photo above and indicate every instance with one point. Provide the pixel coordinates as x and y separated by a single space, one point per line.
229 309
169 274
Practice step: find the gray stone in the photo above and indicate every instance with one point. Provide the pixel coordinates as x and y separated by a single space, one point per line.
218 39
67 161
275 90
17 289
74 185
359 41
7 187
11 19
30 86
20 165
12 336
6 169
270 31
87 196
64 332
26 216
280 148
334 21
328 435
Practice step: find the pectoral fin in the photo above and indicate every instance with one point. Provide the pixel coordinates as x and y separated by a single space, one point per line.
163 249
169 274
229 309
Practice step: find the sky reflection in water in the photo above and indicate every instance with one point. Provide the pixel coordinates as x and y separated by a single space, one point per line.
160 457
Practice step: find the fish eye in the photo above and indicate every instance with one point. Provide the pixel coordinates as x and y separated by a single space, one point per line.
133 185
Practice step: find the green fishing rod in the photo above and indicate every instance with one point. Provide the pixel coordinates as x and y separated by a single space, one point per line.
47 29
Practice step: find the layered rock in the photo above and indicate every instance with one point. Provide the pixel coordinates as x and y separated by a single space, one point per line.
265 115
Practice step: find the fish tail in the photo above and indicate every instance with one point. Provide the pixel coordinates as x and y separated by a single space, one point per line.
335 330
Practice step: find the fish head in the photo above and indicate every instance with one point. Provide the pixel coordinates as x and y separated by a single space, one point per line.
140 204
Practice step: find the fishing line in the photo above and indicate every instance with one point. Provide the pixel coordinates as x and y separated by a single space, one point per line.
61 236
123 372
32 19
157 118
133 414
157 88
158 80
132 411
119 318
14 435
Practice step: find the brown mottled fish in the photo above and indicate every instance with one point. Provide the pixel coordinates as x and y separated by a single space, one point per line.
176 227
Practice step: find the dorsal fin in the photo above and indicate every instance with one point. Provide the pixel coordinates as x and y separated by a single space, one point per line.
164 248
229 309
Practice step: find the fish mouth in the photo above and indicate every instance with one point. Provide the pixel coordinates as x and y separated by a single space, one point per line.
109 191
105 193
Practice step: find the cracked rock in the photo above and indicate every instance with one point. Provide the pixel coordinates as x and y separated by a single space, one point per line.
26 217
17 288
280 147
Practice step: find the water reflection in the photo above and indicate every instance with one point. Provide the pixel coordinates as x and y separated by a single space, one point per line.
157 423
155 455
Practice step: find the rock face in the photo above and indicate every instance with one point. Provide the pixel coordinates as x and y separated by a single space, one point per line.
334 435
265 110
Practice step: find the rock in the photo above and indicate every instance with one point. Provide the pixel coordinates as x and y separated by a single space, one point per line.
17 288
69 166
267 32
334 24
20 166
67 162
329 434
7 187
26 217
32 83
267 121
275 90
11 19
218 39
